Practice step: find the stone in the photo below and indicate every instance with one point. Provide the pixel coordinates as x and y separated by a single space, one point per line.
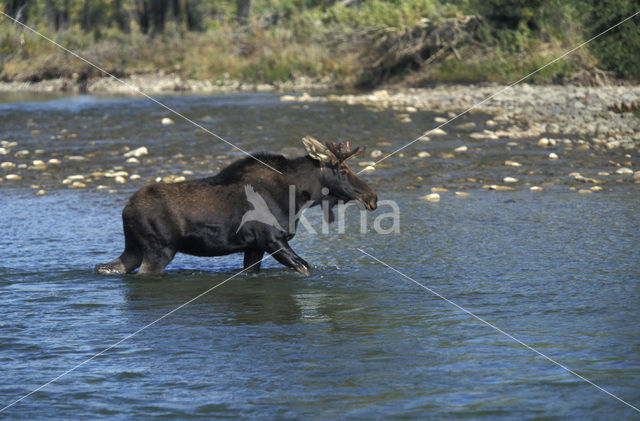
510 180
596 188
77 185
119 179
624 171
433 197
424 154
137 153
134 177
512 163
438 190
636 175
376 153
462 194
166 121
535 188
440 120
369 168
584 191
461 149
41 192
437 132
553 155
13 177
490 123
7 164
498 187
133 160
54 161
543 142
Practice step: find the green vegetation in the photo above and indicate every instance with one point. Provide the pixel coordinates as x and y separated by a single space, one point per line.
347 42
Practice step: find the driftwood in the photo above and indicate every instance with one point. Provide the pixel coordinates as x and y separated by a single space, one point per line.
391 51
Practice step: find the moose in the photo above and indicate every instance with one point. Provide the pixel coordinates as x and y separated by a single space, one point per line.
247 207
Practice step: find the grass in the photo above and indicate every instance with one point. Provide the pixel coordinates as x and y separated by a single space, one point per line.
330 43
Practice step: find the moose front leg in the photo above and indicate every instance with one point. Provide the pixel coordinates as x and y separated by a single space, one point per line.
283 253
253 259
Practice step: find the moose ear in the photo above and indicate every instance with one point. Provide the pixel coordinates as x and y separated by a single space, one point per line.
318 151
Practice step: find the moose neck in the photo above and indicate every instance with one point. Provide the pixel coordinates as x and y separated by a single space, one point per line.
307 179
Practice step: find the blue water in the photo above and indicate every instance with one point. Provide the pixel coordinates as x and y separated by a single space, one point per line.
557 270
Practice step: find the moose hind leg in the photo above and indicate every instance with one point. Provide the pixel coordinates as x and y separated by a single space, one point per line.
154 261
252 260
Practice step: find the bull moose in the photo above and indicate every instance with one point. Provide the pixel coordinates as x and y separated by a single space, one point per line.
247 207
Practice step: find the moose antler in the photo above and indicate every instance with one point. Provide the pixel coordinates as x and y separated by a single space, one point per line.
343 151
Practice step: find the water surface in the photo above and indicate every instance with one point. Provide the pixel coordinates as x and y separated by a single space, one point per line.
555 269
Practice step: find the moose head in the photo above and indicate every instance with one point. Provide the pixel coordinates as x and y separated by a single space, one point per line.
341 182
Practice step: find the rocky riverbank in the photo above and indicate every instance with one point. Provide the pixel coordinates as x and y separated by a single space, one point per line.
157 83
589 116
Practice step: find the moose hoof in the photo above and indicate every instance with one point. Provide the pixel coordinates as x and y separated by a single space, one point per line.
303 270
109 269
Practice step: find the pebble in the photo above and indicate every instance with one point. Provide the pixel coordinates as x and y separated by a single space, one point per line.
133 160
166 121
636 175
134 177
137 153
76 177
535 188
76 158
433 197
461 149
462 194
38 164
4 151
22 153
498 187
543 142
553 155
369 168
119 179
376 153
102 187
411 109
510 180
7 164
440 120
287 98
596 188
512 163
77 185
584 191
437 132
624 171
438 190
114 174
54 161
603 173
41 192
424 154
490 123
14 177
424 138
